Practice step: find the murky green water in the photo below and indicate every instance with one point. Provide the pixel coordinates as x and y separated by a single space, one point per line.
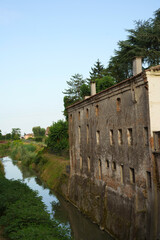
81 228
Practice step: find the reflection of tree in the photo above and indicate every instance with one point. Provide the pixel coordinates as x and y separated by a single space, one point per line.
59 213
26 172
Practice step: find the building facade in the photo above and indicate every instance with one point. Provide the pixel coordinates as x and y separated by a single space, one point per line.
115 157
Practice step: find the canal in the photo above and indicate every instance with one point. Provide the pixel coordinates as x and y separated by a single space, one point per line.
80 227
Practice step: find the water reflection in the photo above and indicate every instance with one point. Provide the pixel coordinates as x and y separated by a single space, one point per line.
61 210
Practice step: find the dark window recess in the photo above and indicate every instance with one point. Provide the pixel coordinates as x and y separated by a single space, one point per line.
113 165
118 104
149 181
100 169
132 175
87 113
146 136
107 163
70 118
129 136
97 110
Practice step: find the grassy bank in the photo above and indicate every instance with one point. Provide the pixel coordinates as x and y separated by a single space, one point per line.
4 149
51 168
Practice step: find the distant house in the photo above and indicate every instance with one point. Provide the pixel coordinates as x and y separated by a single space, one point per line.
29 135
47 131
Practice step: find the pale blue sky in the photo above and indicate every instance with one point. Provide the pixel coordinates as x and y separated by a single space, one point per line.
44 43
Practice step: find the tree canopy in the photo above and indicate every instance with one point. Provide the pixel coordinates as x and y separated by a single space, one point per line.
144 41
38 131
57 140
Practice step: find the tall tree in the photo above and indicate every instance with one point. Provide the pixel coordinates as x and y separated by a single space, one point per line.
97 71
74 90
143 40
38 131
16 133
77 88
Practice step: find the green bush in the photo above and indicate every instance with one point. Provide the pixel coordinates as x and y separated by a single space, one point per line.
24 216
57 140
4 149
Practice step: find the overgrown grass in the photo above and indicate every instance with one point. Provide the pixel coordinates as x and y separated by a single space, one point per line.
4 149
54 170
24 216
26 153
51 168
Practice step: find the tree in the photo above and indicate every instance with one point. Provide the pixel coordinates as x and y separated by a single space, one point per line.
97 71
16 133
104 82
38 131
0 135
74 90
143 40
57 140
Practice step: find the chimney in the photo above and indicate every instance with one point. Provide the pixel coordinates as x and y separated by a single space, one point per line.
93 88
137 65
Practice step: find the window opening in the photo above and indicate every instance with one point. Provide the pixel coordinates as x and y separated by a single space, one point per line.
87 134
113 166
132 175
107 163
111 137
118 104
97 110
89 164
149 181
129 136
122 173
79 134
120 136
146 136
100 169
71 118
87 113
80 162
98 136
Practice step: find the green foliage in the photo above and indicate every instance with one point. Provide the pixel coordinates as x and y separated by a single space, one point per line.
143 40
104 82
75 83
97 71
23 152
24 216
85 90
57 140
38 139
4 149
16 133
38 131
77 88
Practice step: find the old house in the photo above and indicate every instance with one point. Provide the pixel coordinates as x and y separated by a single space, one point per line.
115 156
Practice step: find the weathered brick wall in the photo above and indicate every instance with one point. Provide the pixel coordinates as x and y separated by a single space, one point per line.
111 159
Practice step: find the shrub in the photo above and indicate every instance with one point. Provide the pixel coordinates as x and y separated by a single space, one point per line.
57 140
24 216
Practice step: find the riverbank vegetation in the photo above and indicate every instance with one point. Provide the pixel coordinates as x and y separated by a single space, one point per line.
24 216
51 168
